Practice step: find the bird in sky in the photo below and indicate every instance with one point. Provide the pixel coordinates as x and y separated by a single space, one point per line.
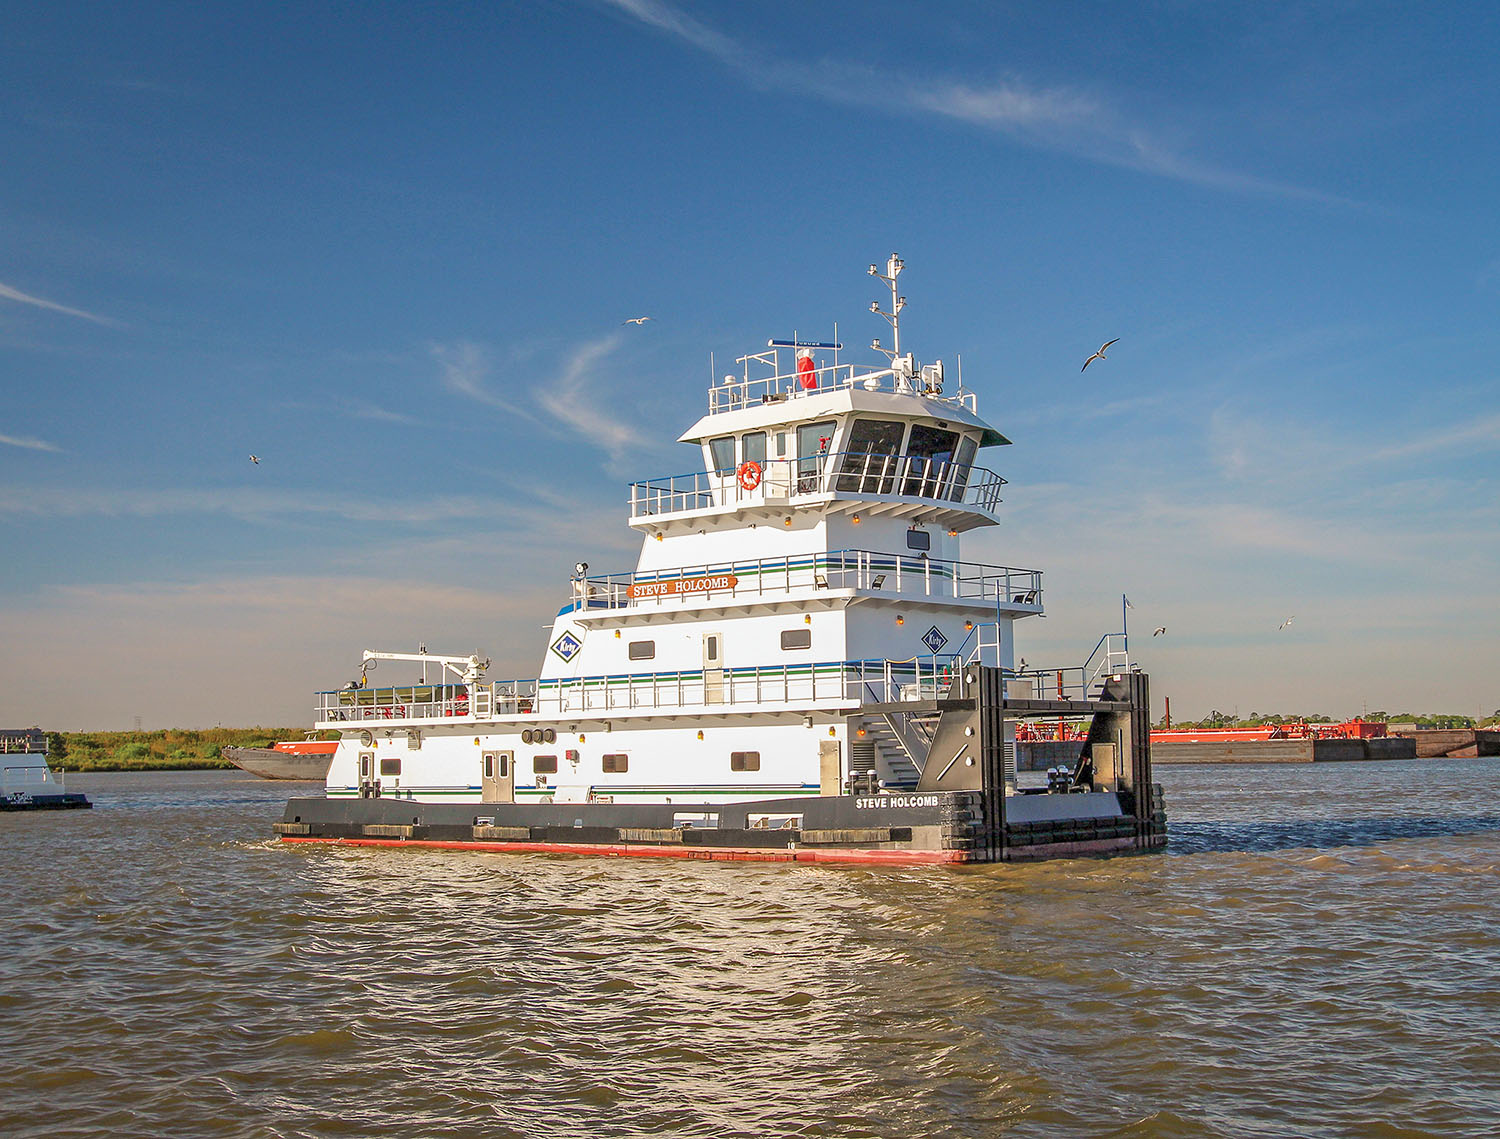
1099 355
636 320
255 459
1287 622
1159 630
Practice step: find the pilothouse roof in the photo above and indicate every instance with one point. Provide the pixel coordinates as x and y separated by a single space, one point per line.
766 394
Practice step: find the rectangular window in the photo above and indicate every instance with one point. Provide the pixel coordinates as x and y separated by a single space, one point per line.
753 448
813 441
918 539
962 465
722 453
796 639
366 764
489 765
544 764
869 464
616 763
929 457
642 650
390 766
744 761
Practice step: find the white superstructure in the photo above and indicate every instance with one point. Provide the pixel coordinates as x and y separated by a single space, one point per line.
806 577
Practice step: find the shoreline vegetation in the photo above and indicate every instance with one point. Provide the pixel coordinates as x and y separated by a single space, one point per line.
170 749
185 749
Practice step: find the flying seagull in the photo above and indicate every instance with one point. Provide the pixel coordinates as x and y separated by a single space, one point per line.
636 320
1285 623
255 459
1159 630
1099 355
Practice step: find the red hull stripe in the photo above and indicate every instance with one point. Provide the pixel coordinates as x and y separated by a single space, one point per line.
703 853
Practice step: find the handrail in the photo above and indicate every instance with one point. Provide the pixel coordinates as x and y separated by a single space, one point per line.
748 391
859 474
840 682
901 574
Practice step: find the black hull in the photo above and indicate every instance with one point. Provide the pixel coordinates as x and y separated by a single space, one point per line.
906 828
67 801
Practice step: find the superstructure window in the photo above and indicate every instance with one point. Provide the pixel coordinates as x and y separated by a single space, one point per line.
796 639
722 453
753 447
929 461
813 441
616 763
642 650
390 765
744 761
962 466
869 464
544 764
918 539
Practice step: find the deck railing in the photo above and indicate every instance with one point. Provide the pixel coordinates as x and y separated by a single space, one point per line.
830 682
21 777
776 385
904 575
854 474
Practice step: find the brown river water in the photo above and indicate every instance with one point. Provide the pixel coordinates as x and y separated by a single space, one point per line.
1318 953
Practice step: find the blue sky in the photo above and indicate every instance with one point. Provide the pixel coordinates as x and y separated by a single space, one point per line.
388 250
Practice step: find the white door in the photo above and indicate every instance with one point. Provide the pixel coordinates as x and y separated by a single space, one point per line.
498 777
713 668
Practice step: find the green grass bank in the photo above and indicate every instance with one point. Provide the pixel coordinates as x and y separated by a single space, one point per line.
172 749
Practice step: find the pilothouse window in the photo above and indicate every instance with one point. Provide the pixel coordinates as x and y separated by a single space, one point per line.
962 466
870 456
753 448
722 453
813 441
929 461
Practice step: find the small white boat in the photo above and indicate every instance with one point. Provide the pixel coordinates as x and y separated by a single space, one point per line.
27 781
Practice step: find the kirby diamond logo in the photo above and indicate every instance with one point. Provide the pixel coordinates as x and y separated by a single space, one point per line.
567 646
934 639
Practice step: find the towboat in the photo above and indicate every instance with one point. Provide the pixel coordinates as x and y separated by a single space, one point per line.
801 666
27 781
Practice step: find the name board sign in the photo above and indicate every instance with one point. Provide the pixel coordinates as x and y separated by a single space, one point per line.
680 585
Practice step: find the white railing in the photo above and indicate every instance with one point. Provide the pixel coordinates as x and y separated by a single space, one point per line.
776 385
903 575
833 682
22 777
851 474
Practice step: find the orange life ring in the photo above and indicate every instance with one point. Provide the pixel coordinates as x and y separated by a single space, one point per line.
749 474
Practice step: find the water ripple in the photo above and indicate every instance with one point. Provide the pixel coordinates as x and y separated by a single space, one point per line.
1314 956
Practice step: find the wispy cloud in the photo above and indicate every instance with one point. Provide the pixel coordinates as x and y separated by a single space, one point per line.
1056 118
28 444
466 368
1482 432
12 294
573 400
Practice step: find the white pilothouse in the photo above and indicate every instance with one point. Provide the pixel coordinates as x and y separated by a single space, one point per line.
805 579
